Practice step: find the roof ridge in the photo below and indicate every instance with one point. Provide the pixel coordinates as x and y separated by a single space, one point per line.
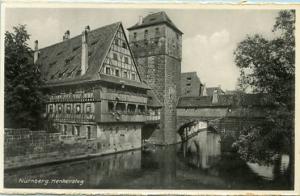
115 23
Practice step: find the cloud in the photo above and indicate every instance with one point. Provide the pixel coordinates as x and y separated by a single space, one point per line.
211 56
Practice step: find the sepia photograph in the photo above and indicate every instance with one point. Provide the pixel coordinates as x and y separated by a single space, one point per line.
149 98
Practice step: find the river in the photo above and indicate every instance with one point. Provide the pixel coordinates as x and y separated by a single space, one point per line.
196 164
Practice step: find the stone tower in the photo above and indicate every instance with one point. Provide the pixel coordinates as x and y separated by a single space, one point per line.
156 44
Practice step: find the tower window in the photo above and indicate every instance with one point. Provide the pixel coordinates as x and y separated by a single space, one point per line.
146 34
156 30
107 70
134 35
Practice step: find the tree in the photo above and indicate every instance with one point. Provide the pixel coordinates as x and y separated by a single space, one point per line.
268 66
24 100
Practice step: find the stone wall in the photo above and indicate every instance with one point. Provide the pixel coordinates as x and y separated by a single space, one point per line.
158 55
23 147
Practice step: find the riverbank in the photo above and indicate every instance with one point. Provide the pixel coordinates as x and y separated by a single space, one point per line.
26 148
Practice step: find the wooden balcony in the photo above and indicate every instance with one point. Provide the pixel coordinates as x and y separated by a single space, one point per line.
72 117
121 117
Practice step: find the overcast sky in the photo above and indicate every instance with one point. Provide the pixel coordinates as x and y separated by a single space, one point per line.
210 36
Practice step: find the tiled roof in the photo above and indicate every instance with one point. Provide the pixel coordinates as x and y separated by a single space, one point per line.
60 64
62 61
155 18
224 101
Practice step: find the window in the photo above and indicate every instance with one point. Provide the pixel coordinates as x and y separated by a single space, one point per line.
120 107
146 34
68 109
125 75
110 106
51 109
77 130
126 59
88 109
78 109
124 45
89 132
188 91
141 108
59 109
133 76
189 78
115 56
116 42
134 35
65 130
131 108
107 70
188 84
117 72
156 30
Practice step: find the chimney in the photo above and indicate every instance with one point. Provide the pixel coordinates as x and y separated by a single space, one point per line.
204 93
87 28
215 97
36 51
84 52
140 20
67 35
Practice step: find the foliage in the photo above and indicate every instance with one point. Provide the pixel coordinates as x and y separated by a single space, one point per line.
23 97
268 66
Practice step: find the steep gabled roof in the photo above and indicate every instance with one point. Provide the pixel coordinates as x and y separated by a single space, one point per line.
62 61
155 19
60 64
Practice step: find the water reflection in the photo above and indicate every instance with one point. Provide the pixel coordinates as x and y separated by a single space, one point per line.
203 150
196 164
268 171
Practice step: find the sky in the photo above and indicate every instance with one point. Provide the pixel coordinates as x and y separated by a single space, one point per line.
209 40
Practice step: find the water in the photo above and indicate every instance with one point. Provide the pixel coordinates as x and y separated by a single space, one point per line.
196 164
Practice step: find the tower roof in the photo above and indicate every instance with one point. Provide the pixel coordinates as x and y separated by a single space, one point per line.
154 19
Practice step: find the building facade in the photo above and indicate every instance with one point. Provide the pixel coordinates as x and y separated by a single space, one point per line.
95 91
156 44
190 84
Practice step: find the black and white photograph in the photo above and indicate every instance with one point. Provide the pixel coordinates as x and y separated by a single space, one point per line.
149 98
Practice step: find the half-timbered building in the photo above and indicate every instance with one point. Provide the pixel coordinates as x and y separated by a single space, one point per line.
94 88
